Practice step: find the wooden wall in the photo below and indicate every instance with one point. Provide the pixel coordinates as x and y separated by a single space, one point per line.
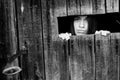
89 57
34 24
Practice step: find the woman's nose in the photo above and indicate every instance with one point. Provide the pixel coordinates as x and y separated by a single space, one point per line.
81 25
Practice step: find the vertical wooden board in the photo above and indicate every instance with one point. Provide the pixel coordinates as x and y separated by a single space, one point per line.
49 21
57 61
19 19
76 59
26 36
59 6
38 40
19 22
11 36
86 7
57 9
89 58
98 6
112 6
118 37
45 4
73 7
82 66
101 58
113 69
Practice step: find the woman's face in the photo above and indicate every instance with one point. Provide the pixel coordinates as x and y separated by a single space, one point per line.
80 25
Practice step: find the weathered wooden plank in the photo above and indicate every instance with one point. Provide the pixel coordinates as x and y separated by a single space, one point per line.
22 42
45 4
86 7
76 59
98 6
51 9
57 9
11 36
57 65
38 40
89 58
113 68
28 37
31 33
53 60
82 58
59 6
50 22
101 58
112 6
73 7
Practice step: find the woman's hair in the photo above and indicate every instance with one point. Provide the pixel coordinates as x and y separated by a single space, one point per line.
92 24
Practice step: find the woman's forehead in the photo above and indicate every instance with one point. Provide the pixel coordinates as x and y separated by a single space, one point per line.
80 17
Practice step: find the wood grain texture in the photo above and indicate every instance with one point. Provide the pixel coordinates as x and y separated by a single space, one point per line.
11 36
102 52
47 38
76 59
73 7
57 61
98 6
82 60
112 6
59 7
113 69
89 58
38 40
86 7
30 34
25 30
